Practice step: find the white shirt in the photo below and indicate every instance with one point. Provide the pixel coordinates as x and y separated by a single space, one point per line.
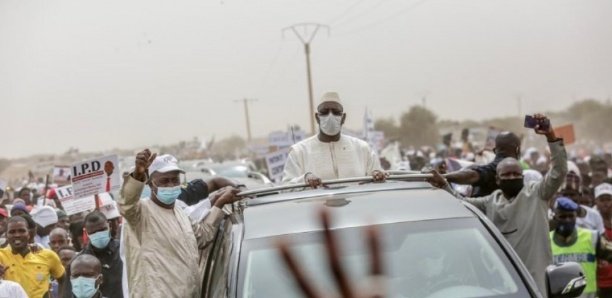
591 221
43 241
348 157
11 289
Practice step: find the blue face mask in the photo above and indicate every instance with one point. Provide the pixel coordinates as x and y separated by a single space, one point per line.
83 287
100 239
146 192
168 195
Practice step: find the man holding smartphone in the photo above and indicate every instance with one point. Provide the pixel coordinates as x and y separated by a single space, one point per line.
520 211
482 178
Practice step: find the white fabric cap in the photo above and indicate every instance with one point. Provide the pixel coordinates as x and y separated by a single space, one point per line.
44 216
531 176
110 211
330 97
603 189
164 164
572 167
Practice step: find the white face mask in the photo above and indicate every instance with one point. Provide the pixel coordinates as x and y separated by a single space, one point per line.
330 124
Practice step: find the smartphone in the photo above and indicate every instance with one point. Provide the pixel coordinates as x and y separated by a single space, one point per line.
531 122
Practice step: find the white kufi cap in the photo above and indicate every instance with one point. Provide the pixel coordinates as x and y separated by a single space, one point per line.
44 216
164 164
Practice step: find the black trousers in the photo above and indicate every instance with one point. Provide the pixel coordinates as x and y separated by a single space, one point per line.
604 292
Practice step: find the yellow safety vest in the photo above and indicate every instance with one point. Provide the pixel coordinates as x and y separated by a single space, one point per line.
582 252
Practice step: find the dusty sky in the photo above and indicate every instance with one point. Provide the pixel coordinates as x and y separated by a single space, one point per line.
104 74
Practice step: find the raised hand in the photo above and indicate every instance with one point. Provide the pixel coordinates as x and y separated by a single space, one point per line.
544 127
374 286
144 159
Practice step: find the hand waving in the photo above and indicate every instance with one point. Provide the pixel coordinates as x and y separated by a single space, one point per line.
144 159
374 286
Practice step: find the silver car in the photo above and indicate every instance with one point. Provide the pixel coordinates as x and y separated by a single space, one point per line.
434 245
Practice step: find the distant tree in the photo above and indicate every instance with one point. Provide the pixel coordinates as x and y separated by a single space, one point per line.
388 126
418 127
592 120
228 148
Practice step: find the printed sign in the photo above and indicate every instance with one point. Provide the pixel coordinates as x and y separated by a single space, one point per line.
283 139
61 175
74 205
566 132
95 176
276 164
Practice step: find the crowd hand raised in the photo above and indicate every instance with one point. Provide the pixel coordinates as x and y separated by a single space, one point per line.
373 287
379 176
437 180
144 159
227 196
312 180
544 130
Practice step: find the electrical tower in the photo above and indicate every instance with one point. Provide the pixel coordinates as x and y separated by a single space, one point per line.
306 35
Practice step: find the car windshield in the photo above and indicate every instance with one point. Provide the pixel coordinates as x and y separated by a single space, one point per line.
429 259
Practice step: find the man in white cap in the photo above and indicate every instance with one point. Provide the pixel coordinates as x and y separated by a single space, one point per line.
331 154
603 201
161 243
46 220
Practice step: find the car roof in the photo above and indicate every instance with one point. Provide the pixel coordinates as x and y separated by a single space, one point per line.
352 206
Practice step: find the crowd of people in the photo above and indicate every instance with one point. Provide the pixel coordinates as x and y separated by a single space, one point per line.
154 239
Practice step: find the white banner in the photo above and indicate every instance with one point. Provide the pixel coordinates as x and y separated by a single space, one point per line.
275 162
283 139
95 176
74 205
61 175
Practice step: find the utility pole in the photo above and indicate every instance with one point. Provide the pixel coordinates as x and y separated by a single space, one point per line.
245 101
519 103
309 32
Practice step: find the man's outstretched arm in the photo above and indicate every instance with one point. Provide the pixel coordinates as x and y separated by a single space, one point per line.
466 176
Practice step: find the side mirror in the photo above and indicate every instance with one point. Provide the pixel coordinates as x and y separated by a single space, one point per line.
565 280
255 175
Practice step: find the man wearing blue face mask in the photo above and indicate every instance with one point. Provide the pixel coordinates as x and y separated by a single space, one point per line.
331 154
104 248
86 277
159 236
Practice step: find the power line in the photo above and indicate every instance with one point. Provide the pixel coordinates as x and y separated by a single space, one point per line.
384 20
272 63
364 12
345 13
